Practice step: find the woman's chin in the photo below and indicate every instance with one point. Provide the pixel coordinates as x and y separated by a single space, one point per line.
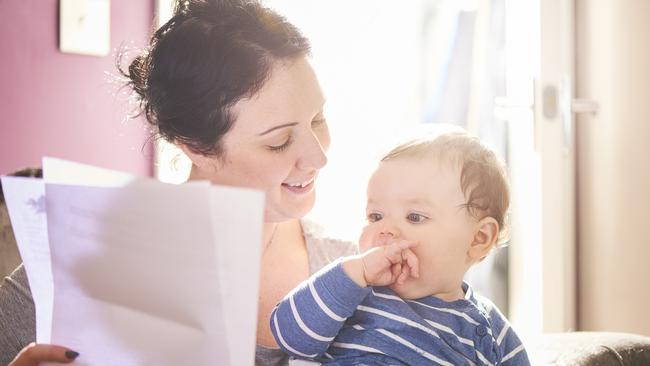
289 210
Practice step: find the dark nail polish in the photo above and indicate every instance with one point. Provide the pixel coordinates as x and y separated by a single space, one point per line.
71 355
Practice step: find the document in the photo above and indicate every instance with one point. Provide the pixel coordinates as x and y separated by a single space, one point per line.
25 198
148 273
69 172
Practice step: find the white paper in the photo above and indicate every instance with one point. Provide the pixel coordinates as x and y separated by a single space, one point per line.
68 172
239 265
132 287
25 198
144 273
296 362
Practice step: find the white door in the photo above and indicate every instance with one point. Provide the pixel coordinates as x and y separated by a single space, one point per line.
540 93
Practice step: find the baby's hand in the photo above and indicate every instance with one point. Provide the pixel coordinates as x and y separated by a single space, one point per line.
384 265
390 263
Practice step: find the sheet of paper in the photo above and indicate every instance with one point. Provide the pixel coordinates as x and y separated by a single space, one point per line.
144 272
139 271
25 198
69 172
149 273
238 261
303 363
61 171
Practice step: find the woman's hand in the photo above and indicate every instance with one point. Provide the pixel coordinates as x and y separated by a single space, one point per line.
34 354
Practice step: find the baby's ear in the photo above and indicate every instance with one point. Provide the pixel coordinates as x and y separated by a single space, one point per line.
485 238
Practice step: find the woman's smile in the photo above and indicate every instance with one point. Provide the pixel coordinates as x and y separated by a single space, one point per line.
300 187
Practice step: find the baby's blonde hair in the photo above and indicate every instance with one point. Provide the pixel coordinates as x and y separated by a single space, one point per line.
483 178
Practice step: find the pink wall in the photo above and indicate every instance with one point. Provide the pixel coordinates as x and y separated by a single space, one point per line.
64 105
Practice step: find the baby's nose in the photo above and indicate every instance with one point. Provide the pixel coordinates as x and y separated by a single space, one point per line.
389 232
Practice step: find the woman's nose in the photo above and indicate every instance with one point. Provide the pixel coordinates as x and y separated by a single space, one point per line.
314 154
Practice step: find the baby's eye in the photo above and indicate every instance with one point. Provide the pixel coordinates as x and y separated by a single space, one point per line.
416 218
373 217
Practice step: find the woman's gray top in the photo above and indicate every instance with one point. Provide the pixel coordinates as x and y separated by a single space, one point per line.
18 325
17 321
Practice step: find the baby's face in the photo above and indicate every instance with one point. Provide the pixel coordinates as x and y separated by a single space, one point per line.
420 199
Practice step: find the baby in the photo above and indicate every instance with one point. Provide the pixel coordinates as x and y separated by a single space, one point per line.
435 208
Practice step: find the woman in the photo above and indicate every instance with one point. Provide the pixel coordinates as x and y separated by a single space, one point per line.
229 82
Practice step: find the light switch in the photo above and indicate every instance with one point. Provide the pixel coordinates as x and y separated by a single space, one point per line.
85 26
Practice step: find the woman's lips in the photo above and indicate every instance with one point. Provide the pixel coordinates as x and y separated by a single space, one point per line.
300 188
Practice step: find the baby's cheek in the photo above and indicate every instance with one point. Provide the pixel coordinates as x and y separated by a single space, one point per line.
366 239
426 257
370 238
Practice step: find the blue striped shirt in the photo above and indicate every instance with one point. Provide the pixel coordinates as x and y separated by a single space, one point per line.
330 319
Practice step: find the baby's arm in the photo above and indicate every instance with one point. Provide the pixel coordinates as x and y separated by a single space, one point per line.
308 319
512 349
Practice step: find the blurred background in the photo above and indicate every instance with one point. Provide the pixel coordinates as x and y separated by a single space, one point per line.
559 88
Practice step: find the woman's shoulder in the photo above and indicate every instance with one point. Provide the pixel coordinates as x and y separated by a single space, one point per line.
17 284
323 247
320 238
17 322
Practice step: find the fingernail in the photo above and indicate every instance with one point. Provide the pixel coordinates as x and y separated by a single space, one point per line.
71 355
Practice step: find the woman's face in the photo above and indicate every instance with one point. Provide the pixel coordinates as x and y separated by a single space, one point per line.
278 141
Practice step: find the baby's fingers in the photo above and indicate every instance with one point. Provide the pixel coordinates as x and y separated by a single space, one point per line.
403 276
394 250
412 262
406 245
396 270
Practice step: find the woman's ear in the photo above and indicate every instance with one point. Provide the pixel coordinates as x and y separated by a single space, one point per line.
485 238
203 163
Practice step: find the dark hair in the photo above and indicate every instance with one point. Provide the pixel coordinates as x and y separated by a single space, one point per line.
208 56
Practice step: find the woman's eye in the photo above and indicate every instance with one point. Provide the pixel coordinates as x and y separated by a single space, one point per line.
416 218
282 147
373 217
